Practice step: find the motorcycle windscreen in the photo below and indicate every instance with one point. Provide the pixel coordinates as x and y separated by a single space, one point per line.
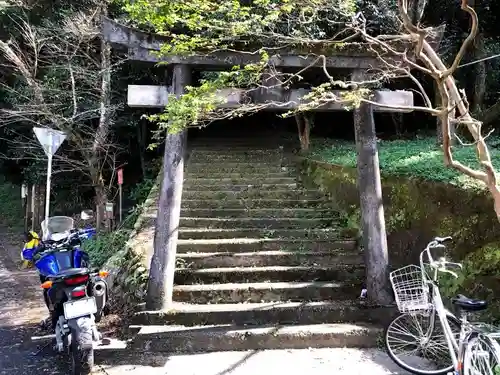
52 264
57 227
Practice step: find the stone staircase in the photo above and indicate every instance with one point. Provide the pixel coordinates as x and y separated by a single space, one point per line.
262 262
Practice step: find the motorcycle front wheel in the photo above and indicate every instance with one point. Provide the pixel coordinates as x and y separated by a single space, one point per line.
82 351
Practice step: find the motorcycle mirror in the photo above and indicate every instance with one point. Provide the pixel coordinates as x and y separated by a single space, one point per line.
87 215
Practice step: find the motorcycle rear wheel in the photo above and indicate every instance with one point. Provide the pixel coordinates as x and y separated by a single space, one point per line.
82 351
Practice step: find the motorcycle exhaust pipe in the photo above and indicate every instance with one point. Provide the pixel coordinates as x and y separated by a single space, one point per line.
99 288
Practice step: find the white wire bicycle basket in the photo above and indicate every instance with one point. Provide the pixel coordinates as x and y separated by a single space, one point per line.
410 289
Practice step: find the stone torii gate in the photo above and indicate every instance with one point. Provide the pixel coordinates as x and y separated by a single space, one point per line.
144 47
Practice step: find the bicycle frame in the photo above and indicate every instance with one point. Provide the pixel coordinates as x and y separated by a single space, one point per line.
454 347
417 290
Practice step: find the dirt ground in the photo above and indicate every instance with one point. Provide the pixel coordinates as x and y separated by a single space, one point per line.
21 311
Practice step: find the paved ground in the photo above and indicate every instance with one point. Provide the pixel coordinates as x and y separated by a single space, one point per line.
292 362
22 309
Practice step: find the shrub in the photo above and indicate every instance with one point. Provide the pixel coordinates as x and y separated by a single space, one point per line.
102 247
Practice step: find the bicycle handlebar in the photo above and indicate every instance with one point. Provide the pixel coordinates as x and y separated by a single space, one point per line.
441 265
49 246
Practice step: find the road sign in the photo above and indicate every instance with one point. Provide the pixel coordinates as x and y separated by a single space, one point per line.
50 139
120 176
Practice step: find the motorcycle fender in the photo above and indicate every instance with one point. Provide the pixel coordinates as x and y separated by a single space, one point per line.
81 331
68 291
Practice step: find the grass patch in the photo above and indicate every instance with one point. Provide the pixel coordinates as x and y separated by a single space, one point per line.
419 158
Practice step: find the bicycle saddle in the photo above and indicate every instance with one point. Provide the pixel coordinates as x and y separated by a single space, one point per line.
442 239
469 304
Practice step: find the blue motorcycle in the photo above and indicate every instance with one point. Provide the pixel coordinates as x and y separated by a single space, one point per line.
75 294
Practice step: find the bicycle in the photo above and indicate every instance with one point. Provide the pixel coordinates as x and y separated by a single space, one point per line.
470 350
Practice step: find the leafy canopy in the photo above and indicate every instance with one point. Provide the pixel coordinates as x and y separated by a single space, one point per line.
258 26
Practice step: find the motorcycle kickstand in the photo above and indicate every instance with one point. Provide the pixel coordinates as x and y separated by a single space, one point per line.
34 354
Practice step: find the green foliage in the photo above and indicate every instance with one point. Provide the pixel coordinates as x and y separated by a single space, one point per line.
479 278
194 107
205 26
102 247
420 158
140 191
11 205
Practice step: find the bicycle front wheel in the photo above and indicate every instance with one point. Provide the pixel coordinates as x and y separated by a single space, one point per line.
481 356
416 342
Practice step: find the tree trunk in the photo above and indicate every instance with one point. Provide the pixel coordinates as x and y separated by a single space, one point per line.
397 120
483 154
439 127
416 10
479 74
141 141
304 123
437 104
101 197
102 132
162 269
491 114
372 208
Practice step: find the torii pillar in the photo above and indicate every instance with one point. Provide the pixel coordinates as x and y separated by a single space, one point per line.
162 268
371 204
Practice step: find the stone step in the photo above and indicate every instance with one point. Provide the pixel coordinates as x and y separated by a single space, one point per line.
221 275
252 194
240 180
203 157
182 339
263 164
255 222
267 292
264 143
254 203
235 145
197 260
257 244
206 233
304 213
241 159
240 187
269 313
242 168
206 154
235 176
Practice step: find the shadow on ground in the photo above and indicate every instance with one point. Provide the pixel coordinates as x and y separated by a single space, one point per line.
21 356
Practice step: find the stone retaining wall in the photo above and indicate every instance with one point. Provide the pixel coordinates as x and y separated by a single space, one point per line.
129 267
415 212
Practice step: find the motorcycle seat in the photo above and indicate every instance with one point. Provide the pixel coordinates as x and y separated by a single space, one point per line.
69 272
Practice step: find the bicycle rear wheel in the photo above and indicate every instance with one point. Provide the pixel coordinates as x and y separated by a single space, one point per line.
416 346
481 356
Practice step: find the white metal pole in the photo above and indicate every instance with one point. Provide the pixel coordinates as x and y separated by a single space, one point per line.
49 176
